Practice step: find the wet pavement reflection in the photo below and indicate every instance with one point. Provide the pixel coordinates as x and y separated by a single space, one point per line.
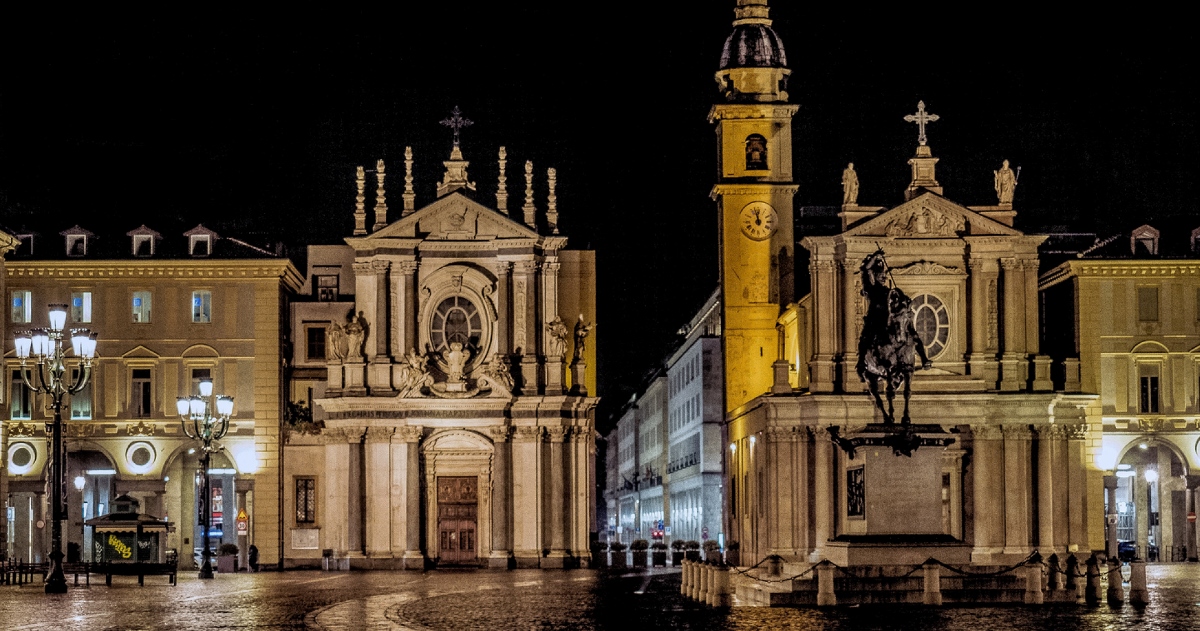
530 599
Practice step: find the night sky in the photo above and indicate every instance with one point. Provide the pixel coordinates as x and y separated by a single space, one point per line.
253 124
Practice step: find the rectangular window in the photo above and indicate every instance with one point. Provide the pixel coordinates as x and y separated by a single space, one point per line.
141 306
306 500
1147 304
1149 402
315 348
81 402
198 375
201 307
81 306
21 311
139 396
143 245
326 287
21 398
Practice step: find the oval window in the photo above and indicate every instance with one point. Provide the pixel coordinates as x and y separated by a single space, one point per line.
456 319
21 457
932 321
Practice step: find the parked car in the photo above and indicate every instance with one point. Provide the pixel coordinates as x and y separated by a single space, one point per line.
1126 550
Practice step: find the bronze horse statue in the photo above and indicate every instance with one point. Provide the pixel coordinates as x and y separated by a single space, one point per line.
889 340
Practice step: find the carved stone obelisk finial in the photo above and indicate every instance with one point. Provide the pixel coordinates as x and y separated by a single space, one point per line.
529 208
360 203
410 198
502 189
380 198
552 200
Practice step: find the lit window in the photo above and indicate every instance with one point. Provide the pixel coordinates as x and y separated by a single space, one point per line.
456 320
326 287
932 321
21 311
201 307
81 402
20 397
81 306
1149 399
140 404
141 306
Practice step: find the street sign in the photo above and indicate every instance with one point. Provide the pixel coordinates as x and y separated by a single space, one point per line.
660 524
667 531
704 533
243 523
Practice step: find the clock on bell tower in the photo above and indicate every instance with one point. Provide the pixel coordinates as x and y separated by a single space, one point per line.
754 193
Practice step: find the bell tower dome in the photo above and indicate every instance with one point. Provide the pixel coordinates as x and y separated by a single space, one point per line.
754 194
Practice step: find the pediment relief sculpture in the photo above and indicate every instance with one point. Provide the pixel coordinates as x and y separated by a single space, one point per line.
927 268
925 222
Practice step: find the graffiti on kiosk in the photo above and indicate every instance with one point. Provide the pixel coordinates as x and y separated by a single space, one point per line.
120 547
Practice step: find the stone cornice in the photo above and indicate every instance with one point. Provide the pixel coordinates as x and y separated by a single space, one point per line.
747 188
723 111
149 268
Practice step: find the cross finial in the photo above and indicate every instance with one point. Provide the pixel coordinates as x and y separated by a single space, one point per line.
921 119
457 123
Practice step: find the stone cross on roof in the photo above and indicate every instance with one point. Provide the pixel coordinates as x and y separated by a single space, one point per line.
457 122
921 119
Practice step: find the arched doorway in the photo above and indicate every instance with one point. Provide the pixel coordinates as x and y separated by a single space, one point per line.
1151 498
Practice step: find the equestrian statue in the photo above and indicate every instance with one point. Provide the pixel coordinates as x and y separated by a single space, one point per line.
889 340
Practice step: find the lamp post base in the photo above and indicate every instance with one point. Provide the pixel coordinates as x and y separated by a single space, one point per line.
56 581
206 568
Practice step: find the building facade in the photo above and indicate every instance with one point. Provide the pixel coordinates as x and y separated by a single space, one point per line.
169 312
457 387
664 466
1124 318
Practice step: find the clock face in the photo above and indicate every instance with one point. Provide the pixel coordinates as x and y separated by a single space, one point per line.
758 220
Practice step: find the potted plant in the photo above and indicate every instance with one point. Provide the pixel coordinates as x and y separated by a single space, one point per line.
712 551
692 550
617 554
598 554
639 547
227 558
658 554
732 554
677 552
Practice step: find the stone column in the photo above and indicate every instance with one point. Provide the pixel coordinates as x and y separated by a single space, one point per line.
503 310
1047 436
1012 362
501 498
825 507
524 320
1193 544
335 534
802 455
952 461
378 510
556 481
379 323
406 496
978 321
824 367
1110 522
527 505
407 285
988 501
1077 526
1017 505
779 492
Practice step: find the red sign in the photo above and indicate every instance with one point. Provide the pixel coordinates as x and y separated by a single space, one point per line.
1192 517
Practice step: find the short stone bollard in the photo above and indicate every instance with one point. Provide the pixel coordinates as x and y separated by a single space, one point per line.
1116 590
702 584
1093 581
1056 578
933 584
1138 594
685 580
720 589
825 595
774 565
1033 584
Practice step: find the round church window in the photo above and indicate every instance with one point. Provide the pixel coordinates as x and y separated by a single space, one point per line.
932 321
140 456
456 320
21 457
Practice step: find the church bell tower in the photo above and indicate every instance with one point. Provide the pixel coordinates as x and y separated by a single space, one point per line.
754 194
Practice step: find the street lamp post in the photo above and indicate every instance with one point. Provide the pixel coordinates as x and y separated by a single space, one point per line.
199 424
46 347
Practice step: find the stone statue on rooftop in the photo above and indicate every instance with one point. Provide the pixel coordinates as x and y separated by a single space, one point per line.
849 186
1006 183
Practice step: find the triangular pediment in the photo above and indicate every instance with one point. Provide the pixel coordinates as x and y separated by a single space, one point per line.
455 217
930 216
140 352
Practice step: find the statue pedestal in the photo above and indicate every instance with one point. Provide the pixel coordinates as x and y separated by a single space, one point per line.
354 376
892 504
579 378
456 386
555 375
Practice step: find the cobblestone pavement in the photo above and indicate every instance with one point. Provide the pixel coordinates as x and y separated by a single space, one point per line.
527 600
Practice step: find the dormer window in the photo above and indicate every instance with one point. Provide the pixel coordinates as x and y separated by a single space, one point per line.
26 247
1144 241
76 241
1196 242
200 241
756 153
143 241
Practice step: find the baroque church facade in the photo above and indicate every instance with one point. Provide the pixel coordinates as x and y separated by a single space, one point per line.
1006 460
450 357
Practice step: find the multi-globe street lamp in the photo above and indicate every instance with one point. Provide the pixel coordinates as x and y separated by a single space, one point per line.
46 347
199 424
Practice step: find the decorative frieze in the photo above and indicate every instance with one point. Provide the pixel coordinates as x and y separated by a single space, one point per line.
21 430
141 428
1076 431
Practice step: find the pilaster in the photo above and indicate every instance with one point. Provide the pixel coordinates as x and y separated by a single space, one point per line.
989 497
527 506
501 500
1017 501
405 494
1012 363
556 479
524 320
378 509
